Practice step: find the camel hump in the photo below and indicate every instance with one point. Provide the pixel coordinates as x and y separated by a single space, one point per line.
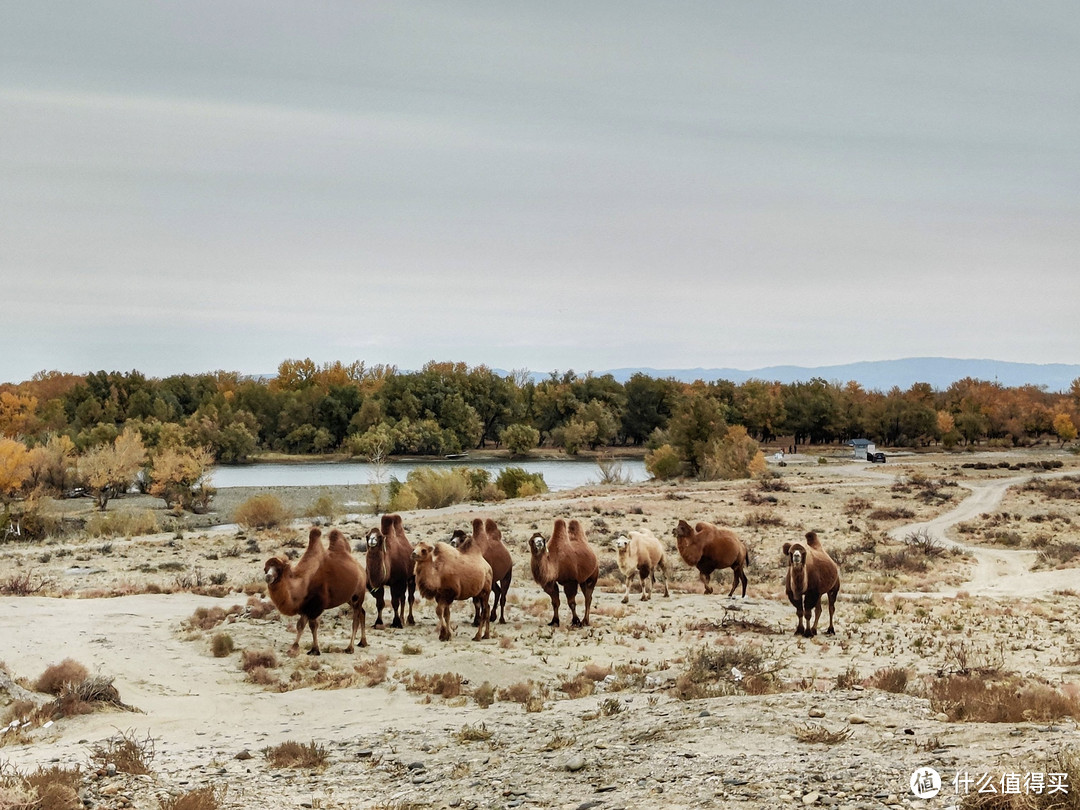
398 524
386 524
314 534
576 532
558 531
337 540
491 527
812 540
477 526
702 527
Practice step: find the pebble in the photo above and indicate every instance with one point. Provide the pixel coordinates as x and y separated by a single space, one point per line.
941 717
856 719
816 712
811 798
245 754
575 763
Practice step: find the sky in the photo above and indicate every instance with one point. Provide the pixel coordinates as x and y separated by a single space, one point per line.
224 184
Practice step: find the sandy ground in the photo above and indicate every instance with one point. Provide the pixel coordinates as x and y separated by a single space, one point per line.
631 743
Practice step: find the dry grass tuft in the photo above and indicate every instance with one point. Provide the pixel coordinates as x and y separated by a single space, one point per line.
23 584
447 685
478 733
204 798
126 752
52 788
729 670
578 687
221 645
891 679
291 754
265 658
484 694
208 618
261 512
53 680
1009 700
813 733
529 694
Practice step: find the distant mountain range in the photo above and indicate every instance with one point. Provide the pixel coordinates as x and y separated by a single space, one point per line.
939 372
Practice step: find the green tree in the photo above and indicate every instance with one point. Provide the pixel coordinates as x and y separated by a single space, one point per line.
520 438
698 421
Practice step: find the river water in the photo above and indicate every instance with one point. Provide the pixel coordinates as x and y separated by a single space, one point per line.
558 475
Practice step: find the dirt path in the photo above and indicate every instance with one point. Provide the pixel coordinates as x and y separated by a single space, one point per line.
997 572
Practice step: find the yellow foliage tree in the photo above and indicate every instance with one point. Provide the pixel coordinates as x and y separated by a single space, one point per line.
16 413
180 476
1064 427
736 455
14 467
52 464
109 470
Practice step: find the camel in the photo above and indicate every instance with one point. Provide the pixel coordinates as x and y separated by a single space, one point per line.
389 562
811 572
322 578
447 575
708 547
565 560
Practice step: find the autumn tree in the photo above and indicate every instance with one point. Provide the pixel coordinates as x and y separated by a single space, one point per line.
1064 427
733 456
14 467
109 470
520 438
180 476
53 464
698 421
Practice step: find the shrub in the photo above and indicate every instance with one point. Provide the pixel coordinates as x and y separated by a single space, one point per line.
291 754
446 685
123 524
325 507
53 680
222 645
663 462
484 694
1010 700
265 658
891 679
520 438
517 483
125 752
204 798
725 670
261 512
436 489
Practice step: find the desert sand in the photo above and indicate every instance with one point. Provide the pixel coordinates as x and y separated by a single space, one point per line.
605 717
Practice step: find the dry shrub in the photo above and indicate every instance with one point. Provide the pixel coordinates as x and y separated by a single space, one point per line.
892 513
52 788
265 658
258 608
262 676
1066 762
447 685
484 694
848 678
528 693
23 584
221 645
891 679
83 698
123 523
762 517
578 687
53 680
207 618
857 505
126 752
595 672
261 512
813 733
728 670
18 710
1010 700
478 733
291 754
373 671
204 798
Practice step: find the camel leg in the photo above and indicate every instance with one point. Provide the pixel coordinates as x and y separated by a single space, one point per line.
500 603
483 629
314 625
397 602
832 607
663 569
571 599
301 623
646 578
626 592
734 580
812 602
705 581
476 604
442 612
380 603
412 598
554 594
587 591
742 574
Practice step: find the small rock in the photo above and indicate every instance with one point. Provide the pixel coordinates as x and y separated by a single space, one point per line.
589 805
364 753
811 798
606 788
856 719
941 717
816 712
575 763
110 769
416 766
245 754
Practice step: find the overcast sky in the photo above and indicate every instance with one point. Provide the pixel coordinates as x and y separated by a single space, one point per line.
210 184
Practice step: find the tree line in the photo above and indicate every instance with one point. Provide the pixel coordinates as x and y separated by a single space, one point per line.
700 429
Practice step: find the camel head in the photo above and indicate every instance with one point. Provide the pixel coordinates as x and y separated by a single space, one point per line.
685 539
621 542
374 539
537 544
422 552
274 569
796 554
458 538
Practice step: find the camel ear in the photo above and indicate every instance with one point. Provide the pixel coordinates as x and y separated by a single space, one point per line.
787 549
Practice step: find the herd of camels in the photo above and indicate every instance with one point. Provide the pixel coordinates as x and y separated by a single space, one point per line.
478 566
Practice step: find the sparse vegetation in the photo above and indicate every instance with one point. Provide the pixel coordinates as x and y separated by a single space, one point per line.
290 754
261 512
126 752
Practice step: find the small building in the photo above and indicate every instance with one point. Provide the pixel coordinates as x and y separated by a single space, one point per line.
864 448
